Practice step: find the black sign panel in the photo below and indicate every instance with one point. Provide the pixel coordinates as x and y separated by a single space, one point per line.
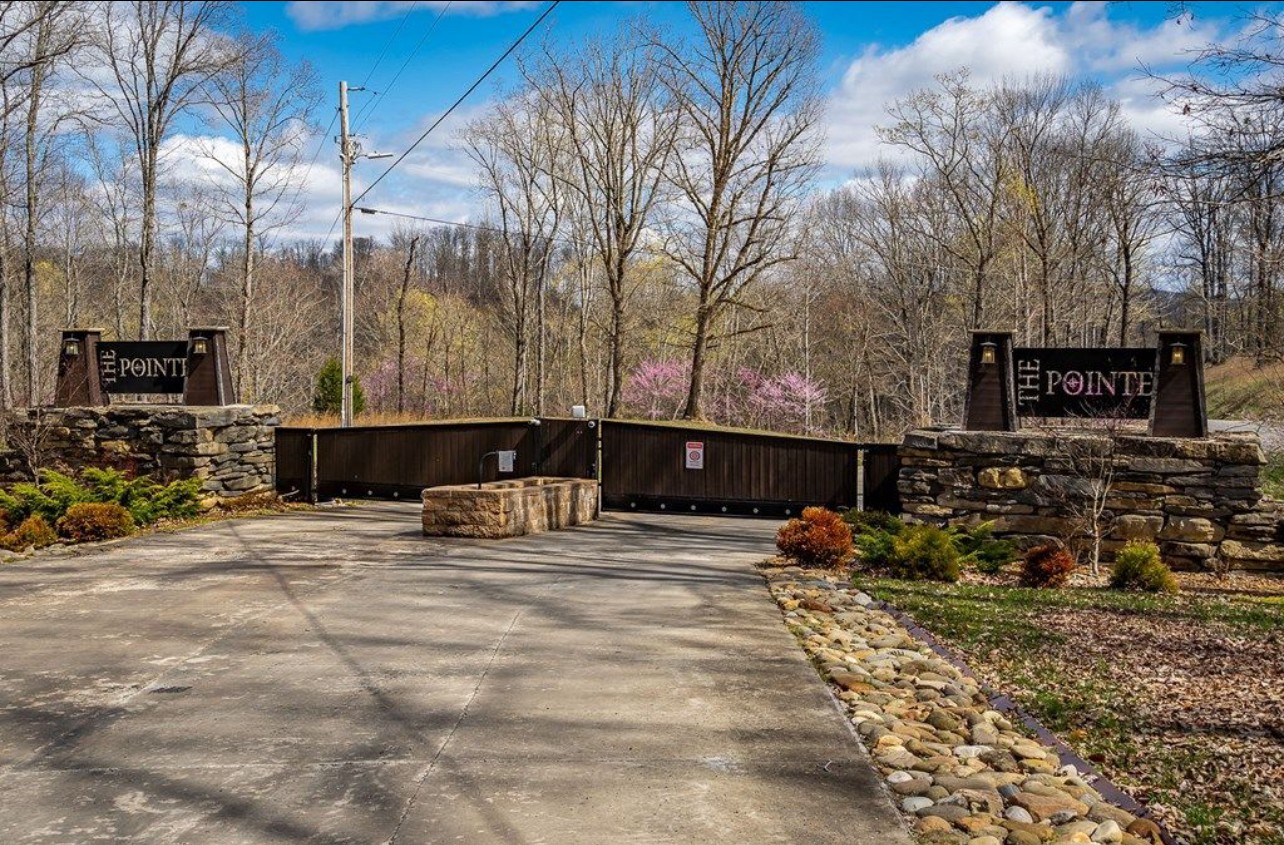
158 366
1095 383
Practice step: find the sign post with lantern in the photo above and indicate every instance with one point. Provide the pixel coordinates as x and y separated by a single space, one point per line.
1163 384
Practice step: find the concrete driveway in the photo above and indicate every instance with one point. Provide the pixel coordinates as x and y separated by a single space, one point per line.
334 677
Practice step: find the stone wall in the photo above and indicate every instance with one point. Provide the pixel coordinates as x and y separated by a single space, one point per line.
1200 500
231 448
508 508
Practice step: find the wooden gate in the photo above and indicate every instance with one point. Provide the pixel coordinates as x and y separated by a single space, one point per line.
399 461
644 466
295 470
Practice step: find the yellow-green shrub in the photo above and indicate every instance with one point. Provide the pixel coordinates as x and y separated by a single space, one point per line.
924 553
1138 567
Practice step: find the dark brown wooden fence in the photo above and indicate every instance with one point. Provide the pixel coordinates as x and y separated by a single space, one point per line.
644 468
399 461
642 464
881 467
295 474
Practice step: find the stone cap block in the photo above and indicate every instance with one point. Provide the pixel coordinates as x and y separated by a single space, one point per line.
1227 447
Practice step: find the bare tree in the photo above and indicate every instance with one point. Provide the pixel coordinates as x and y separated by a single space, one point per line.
1085 488
158 58
72 225
746 99
962 149
57 31
18 25
6 247
267 108
402 294
513 149
186 255
117 218
618 138
1130 203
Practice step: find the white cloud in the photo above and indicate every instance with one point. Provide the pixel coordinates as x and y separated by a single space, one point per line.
1011 40
336 14
437 180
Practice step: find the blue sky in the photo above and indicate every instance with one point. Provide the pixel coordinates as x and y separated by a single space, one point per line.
873 52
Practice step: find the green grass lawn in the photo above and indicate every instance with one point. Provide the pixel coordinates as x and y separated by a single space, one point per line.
1176 698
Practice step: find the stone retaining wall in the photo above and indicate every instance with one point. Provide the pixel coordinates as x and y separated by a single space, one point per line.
231 448
1199 499
508 508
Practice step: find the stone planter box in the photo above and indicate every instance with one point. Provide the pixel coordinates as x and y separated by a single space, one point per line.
508 508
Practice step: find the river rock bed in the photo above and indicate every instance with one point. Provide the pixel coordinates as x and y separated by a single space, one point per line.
961 771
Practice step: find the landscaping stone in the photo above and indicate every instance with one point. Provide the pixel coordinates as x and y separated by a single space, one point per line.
1008 789
932 824
1047 807
1020 837
1146 831
1019 814
916 803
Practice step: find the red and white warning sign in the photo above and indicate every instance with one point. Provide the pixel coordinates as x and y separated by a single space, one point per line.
695 454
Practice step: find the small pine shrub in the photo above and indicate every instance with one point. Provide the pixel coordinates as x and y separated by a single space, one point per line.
869 522
1047 567
149 502
875 548
924 553
22 500
979 547
62 491
873 532
34 532
818 538
90 521
1138 567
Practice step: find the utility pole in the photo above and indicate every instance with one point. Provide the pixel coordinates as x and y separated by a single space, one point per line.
345 355
349 152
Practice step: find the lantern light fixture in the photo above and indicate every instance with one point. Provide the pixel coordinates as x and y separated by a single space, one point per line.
200 346
989 352
1177 355
71 347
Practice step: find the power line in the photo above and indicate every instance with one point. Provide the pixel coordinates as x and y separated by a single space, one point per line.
334 223
462 97
477 226
436 220
484 228
373 103
335 116
384 52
